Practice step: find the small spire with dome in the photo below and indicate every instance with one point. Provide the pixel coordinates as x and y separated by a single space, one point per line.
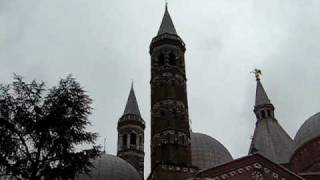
269 138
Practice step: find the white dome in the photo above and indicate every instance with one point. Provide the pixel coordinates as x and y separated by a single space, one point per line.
207 152
308 131
112 168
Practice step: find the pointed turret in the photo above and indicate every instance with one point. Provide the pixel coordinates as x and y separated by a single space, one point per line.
167 34
263 105
167 24
131 134
269 138
261 95
132 104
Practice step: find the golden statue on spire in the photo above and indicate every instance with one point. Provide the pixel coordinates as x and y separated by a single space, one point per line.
257 73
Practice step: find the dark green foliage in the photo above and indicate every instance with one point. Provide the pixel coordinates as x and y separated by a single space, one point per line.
40 130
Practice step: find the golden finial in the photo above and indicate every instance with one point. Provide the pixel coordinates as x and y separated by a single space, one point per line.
257 73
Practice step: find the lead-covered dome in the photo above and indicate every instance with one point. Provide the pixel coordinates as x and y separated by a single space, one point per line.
112 168
207 152
305 159
308 131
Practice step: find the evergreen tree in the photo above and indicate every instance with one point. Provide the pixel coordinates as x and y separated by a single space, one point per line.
42 129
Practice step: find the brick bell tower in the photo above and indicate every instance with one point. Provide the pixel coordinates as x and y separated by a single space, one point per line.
131 134
170 131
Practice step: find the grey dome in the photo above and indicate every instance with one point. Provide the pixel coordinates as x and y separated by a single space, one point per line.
308 131
207 152
112 168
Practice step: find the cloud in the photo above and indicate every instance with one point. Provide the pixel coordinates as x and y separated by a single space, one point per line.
105 44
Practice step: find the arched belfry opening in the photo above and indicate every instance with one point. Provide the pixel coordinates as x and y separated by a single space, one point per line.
172 59
161 60
131 134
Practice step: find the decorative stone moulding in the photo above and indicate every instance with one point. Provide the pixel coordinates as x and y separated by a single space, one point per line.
167 78
258 174
170 137
178 168
171 106
166 37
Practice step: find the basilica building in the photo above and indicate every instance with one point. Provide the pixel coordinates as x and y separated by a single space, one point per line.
177 153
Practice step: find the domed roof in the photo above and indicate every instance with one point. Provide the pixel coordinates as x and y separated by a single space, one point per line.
111 167
207 152
309 130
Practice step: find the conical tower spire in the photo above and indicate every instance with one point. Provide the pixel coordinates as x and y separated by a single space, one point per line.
131 134
167 24
269 138
132 104
261 95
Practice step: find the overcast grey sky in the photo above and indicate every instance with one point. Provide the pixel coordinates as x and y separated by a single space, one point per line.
104 44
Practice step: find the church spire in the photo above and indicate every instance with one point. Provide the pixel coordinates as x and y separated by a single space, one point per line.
269 138
167 24
263 107
261 95
131 134
132 104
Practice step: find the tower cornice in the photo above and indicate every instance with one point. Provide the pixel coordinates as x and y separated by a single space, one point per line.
165 39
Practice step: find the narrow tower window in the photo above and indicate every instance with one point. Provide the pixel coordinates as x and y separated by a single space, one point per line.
161 59
124 140
162 113
133 138
172 59
269 113
263 114
141 140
